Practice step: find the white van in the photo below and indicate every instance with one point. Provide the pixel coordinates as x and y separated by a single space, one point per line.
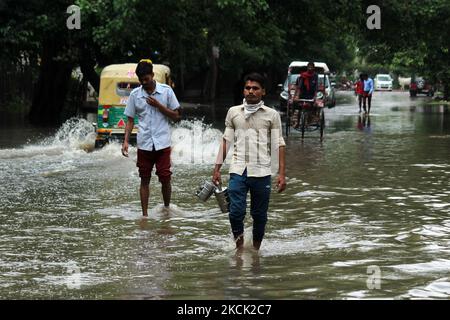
383 82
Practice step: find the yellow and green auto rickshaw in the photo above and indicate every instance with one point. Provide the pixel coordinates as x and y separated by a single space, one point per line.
116 83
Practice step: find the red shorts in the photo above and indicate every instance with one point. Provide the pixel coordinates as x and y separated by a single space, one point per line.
160 158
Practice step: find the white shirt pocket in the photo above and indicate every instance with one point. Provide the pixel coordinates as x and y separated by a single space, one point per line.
141 106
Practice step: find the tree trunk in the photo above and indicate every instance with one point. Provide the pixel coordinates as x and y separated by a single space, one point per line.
181 71
51 89
209 88
214 73
446 91
87 67
205 91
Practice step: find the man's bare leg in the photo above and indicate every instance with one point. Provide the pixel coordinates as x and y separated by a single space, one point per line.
166 189
144 192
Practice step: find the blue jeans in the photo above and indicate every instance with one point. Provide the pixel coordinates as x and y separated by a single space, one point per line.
259 195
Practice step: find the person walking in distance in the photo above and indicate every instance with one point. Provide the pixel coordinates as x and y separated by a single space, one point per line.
254 130
368 90
359 91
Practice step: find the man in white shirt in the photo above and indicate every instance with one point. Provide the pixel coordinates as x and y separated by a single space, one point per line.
255 132
154 104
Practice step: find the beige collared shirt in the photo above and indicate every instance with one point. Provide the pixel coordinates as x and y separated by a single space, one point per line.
255 141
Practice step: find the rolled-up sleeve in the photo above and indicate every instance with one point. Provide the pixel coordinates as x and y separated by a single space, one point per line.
130 110
276 130
172 102
229 127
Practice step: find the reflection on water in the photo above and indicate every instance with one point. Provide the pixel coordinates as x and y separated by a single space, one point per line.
375 192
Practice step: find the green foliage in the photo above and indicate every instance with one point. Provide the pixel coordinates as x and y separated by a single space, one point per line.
262 35
17 105
414 38
248 33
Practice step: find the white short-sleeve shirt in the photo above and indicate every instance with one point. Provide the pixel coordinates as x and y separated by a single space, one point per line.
153 126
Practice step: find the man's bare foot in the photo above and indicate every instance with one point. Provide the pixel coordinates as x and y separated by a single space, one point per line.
143 223
256 244
239 242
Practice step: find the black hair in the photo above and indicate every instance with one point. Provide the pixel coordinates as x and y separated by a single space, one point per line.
255 77
143 68
311 63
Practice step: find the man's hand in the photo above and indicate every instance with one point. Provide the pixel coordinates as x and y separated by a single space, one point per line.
281 183
216 179
125 149
154 103
174 115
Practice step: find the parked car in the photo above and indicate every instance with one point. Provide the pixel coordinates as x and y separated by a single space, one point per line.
294 70
383 82
420 86
116 83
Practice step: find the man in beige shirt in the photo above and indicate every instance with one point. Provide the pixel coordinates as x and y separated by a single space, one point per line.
254 131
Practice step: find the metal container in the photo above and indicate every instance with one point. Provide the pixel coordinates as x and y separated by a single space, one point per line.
206 190
223 199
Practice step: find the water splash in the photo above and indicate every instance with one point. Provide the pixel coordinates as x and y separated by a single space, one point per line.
194 142
75 135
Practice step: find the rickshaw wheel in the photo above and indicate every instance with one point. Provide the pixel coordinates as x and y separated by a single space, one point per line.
288 120
322 123
303 123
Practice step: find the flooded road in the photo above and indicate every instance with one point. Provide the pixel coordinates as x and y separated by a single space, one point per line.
366 214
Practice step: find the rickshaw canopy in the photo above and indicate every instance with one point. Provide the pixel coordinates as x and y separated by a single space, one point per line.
117 81
320 67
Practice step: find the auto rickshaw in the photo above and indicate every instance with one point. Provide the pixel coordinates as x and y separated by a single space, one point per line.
116 83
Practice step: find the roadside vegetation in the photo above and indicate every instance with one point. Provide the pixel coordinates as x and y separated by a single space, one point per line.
210 44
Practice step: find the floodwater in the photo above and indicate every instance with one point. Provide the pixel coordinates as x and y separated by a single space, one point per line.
366 214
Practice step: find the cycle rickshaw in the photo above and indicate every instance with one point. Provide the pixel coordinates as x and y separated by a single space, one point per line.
306 114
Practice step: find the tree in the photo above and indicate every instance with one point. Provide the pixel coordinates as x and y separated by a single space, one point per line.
262 35
413 38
